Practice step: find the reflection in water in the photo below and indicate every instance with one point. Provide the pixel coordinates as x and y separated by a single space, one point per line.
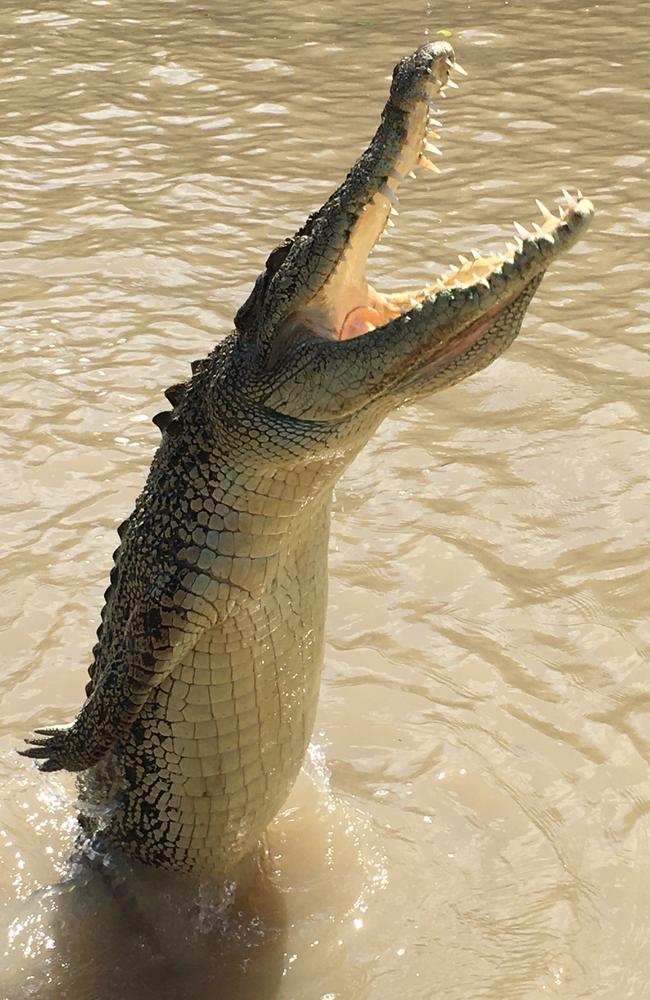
88 936
486 690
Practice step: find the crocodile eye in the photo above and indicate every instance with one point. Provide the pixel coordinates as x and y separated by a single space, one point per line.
249 312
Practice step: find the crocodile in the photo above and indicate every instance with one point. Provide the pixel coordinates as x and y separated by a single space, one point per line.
205 676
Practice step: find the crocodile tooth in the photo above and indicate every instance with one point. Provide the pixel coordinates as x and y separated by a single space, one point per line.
511 248
390 223
457 66
434 121
476 254
570 200
525 235
393 210
424 161
462 259
388 192
430 148
542 234
548 215
432 135
430 102
452 83
411 173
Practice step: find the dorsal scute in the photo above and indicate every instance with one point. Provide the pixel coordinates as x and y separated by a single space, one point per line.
176 393
163 419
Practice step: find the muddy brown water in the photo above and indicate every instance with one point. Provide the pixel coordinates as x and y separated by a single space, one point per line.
473 820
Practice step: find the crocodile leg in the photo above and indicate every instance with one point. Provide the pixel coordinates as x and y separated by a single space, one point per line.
159 633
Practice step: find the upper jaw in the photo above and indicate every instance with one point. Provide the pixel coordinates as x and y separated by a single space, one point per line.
348 225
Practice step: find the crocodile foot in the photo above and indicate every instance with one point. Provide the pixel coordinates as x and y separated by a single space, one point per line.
60 748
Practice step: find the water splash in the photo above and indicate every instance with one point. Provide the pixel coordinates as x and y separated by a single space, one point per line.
428 12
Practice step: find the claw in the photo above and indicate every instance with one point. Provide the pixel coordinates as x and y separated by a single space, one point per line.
35 753
50 765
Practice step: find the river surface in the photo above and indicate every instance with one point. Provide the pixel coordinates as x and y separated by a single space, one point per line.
473 820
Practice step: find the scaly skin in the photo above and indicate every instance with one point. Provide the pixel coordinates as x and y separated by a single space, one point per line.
204 682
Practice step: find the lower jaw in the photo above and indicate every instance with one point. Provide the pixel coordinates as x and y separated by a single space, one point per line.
442 364
470 335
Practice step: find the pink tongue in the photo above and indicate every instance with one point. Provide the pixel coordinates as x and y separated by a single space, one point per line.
359 321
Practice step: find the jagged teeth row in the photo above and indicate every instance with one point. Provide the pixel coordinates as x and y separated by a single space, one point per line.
427 146
430 147
492 260
477 270
551 222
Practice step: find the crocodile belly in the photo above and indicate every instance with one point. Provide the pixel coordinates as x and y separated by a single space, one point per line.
216 751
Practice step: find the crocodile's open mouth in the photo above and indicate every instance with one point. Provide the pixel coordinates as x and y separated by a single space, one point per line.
351 345
356 307
347 306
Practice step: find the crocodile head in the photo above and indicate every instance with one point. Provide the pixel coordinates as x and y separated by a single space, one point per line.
324 344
